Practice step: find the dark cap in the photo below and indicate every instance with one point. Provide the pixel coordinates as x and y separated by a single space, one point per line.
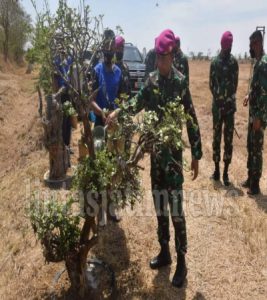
108 39
256 35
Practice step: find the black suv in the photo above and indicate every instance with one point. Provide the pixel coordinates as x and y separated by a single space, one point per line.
134 60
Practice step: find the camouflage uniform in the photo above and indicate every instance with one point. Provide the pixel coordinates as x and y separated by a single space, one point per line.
181 64
257 110
150 62
223 85
166 175
125 76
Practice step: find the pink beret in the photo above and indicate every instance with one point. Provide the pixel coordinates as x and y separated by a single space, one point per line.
165 42
119 41
227 40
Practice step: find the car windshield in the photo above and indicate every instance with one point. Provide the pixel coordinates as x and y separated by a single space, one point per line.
132 54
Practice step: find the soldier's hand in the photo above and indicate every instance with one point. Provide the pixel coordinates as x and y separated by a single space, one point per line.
111 117
194 168
246 100
256 124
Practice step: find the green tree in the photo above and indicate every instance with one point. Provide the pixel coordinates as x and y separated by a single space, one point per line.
15 27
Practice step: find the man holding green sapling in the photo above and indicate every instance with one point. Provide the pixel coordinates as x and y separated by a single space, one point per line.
107 79
163 86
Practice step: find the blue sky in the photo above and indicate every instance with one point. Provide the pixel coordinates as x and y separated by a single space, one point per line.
199 23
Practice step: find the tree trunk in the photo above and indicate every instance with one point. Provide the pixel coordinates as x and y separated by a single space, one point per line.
76 267
58 154
5 48
58 161
29 68
76 261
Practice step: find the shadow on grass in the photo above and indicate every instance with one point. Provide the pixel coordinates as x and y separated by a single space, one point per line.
261 201
231 191
199 296
163 288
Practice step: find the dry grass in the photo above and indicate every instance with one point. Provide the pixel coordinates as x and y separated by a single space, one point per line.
227 231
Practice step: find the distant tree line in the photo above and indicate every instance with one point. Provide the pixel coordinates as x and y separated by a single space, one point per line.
201 56
15 30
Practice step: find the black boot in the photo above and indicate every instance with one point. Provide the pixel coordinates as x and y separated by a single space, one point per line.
181 272
225 175
254 188
163 259
216 175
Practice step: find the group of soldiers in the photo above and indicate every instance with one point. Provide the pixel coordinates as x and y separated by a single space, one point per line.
223 86
168 72
223 83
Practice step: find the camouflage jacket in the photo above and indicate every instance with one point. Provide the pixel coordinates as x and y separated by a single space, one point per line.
258 91
223 84
181 64
150 62
125 76
167 90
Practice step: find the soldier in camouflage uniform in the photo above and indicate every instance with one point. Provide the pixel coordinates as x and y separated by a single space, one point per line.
162 86
180 61
223 85
257 114
150 62
119 48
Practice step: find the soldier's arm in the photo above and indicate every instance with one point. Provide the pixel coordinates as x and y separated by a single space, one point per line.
137 103
133 106
260 112
212 80
192 126
121 88
126 89
186 73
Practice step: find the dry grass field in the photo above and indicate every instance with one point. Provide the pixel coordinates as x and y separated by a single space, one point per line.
227 231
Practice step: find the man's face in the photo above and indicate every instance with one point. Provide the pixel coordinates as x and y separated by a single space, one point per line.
164 63
109 45
177 46
119 52
226 53
254 47
108 50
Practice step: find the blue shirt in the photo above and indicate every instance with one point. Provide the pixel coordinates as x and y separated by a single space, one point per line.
63 68
109 84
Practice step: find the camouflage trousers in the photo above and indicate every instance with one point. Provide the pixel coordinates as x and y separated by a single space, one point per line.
166 182
255 141
229 122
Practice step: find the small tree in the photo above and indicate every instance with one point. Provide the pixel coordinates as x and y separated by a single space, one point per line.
78 32
192 55
200 55
54 223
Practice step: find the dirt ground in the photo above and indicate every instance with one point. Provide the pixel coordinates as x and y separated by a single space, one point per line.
227 231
